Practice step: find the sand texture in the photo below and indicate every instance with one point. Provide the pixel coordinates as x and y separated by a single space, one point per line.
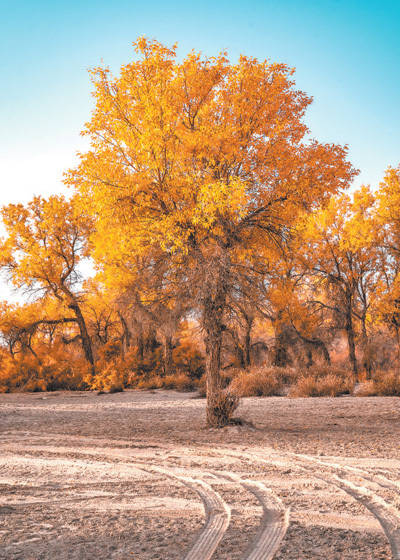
136 475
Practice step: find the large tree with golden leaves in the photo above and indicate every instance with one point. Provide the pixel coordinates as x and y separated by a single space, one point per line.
205 162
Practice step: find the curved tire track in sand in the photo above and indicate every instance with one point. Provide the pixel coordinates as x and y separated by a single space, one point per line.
386 514
273 526
217 511
274 522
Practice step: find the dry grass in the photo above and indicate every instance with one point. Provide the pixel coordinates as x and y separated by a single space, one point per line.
384 384
176 381
257 382
325 370
330 385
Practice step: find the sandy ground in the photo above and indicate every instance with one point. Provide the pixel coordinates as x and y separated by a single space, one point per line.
135 475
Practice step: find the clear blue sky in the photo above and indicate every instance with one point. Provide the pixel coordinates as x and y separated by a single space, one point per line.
346 52
347 56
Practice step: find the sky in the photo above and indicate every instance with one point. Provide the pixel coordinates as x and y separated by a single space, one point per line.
346 54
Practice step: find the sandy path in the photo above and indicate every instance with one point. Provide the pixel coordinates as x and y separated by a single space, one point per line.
81 477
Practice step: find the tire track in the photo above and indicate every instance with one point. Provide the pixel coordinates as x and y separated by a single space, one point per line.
356 482
274 522
217 511
386 514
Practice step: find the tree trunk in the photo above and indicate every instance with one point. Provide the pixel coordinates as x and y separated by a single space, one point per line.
167 355
317 343
325 352
150 341
397 334
140 346
281 355
351 342
126 333
85 338
240 355
247 343
310 360
213 307
366 350
214 380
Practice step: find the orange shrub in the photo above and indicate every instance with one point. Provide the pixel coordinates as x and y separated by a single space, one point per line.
111 378
48 372
187 358
177 381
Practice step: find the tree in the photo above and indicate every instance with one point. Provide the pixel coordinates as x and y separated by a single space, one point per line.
206 161
388 218
341 254
47 240
21 324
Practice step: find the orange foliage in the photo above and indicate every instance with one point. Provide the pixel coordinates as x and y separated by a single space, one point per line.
201 199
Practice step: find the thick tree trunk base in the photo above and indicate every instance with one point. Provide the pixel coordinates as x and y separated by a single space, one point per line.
220 409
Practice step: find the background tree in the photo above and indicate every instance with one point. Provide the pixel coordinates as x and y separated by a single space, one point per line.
388 221
341 255
46 242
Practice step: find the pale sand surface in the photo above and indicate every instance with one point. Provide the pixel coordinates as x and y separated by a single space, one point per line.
127 476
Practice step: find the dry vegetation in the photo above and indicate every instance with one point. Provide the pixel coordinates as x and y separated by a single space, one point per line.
383 384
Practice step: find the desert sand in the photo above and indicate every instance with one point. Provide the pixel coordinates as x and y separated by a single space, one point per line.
136 475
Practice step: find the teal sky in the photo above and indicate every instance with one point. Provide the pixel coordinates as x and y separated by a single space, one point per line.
347 56
346 52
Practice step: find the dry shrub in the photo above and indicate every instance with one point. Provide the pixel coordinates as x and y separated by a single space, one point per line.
224 405
384 384
286 375
367 389
331 385
147 383
325 370
177 381
258 382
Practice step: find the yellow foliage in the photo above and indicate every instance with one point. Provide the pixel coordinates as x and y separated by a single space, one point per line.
197 154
